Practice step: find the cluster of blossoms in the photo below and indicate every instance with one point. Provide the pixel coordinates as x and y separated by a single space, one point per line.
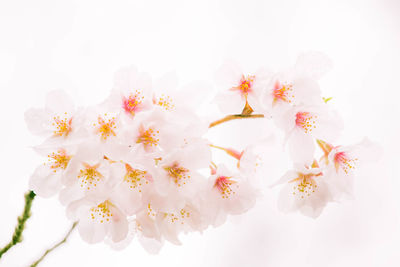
293 100
138 163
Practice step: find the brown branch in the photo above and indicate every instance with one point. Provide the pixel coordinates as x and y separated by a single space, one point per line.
235 117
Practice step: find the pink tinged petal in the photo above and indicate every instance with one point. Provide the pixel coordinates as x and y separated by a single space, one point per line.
90 231
45 182
245 199
59 102
312 212
119 226
286 200
286 120
147 224
196 155
253 100
230 103
317 202
288 176
366 151
306 91
228 75
125 78
38 121
70 194
169 227
127 198
151 245
329 126
301 147
78 209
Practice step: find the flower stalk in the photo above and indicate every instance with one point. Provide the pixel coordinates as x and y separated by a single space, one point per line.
235 117
17 236
64 240
246 114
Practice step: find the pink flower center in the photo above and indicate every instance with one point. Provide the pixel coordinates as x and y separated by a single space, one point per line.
305 186
59 160
63 126
178 174
148 137
246 85
283 92
178 217
223 184
102 212
343 161
306 121
132 103
106 128
164 101
135 178
89 176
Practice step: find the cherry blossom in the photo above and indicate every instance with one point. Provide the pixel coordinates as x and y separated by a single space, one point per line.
137 165
297 85
88 173
59 121
98 218
46 180
302 124
236 87
132 92
305 189
228 193
342 163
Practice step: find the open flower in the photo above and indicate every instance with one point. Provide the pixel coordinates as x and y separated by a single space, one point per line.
305 189
46 180
102 125
235 87
134 182
151 132
177 177
59 121
88 172
98 218
227 193
342 162
186 219
297 85
302 124
132 92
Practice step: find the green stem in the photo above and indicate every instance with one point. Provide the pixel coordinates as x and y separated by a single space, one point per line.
55 246
17 236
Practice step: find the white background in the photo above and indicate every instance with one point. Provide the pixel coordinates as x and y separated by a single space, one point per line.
77 46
